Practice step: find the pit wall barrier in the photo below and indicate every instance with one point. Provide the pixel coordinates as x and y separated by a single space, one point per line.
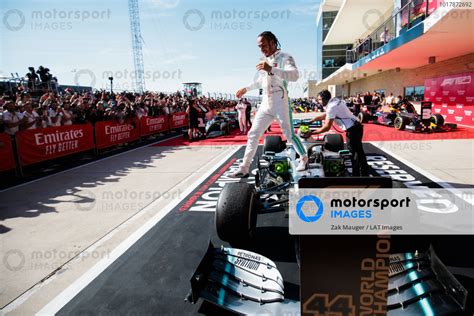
38 145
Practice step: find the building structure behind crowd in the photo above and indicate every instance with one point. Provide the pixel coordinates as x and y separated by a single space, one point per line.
419 50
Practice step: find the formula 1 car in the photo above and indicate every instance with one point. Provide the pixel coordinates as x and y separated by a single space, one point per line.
222 124
372 113
247 282
413 122
403 116
276 174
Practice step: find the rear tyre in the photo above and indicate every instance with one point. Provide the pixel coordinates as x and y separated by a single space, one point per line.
399 123
363 117
333 142
437 119
225 128
236 213
274 144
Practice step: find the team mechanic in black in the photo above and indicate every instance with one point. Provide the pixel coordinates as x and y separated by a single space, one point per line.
338 112
193 114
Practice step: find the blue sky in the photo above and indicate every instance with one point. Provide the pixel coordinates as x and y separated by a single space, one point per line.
213 42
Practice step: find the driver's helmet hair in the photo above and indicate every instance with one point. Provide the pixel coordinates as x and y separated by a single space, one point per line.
325 95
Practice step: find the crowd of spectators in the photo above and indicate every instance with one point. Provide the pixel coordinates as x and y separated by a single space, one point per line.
373 99
28 110
376 99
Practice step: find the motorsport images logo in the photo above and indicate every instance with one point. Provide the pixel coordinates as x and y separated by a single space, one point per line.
315 204
349 208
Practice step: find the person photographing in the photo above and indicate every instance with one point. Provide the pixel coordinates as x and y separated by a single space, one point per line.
338 112
276 68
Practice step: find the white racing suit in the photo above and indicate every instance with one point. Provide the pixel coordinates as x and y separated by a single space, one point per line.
241 107
275 104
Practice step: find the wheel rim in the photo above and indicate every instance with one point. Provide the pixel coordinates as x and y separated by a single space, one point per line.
398 123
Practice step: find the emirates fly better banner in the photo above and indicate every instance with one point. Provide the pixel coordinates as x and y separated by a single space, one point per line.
178 120
48 143
452 97
110 133
153 125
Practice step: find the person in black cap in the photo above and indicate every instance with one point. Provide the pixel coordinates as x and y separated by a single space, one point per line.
337 112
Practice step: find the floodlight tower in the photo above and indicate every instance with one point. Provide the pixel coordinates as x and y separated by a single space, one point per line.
139 80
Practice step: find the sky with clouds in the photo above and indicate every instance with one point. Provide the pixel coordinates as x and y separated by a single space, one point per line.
213 42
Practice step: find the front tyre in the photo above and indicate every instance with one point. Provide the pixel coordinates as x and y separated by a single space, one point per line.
236 213
437 119
399 123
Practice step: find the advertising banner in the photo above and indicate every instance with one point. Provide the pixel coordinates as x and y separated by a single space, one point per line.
153 125
452 97
6 152
178 120
37 145
110 133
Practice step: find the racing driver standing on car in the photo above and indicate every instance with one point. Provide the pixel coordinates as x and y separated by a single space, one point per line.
276 68
338 112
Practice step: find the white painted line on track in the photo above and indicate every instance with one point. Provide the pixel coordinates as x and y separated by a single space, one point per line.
425 173
86 164
70 292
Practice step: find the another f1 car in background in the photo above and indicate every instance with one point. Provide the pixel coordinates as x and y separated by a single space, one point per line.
414 123
403 116
298 122
372 114
221 124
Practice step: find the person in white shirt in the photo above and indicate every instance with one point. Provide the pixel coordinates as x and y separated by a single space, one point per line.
389 100
55 114
276 69
67 115
12 119
385 36
32 119
338 112
241 109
